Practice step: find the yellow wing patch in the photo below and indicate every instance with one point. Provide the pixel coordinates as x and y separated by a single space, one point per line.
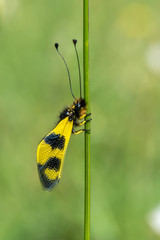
51 152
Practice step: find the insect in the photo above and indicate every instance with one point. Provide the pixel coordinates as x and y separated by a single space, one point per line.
51 150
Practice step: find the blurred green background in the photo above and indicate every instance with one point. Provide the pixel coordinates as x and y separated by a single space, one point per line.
125 105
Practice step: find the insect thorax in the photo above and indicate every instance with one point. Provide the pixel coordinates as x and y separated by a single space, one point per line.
74 112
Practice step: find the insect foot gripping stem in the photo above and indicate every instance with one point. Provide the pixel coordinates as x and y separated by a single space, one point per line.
81 130
82 123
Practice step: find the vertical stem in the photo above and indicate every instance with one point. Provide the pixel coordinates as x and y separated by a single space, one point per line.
87 126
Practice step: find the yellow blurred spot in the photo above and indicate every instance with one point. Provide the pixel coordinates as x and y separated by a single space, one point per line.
8 8
136 20
1 6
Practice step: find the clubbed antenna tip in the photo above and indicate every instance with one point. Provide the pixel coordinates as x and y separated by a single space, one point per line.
56 45
74 41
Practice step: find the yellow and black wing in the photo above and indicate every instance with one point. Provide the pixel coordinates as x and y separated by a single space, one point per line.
51 151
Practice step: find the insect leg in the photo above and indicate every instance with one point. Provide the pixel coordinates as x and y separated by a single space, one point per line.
79 131
88 114
82 116
82 123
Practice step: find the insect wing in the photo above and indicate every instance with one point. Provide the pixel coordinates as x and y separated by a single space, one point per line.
51 152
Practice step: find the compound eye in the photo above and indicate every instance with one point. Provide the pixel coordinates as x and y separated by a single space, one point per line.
78 105
68 112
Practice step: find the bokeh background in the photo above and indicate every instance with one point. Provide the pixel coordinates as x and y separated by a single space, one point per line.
125 105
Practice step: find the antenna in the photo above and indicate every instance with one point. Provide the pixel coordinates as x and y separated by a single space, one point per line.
75 41
56 46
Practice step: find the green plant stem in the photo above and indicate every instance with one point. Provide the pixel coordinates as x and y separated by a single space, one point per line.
87 126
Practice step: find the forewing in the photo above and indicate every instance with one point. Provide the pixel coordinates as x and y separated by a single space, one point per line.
51 152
